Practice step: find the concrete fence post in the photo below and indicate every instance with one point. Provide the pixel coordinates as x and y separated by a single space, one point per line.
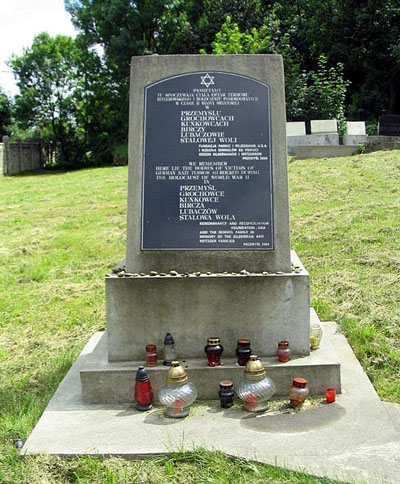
18 167
6 155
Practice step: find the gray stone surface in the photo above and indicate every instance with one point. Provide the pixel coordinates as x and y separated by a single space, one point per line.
293 142
383 143
327 139
149 69
354 140
356 439
104 382
305 152
319 126
262 308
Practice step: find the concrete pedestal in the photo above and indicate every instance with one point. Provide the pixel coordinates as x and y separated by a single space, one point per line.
263 307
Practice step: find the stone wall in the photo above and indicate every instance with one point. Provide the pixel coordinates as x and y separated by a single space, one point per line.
382 143
19 157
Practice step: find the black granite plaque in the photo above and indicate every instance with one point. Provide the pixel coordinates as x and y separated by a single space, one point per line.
207 176
389 125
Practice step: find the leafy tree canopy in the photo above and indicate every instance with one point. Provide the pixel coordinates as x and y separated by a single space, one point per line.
62 86
339 55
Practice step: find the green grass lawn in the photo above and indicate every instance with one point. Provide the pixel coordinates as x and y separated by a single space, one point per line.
61 232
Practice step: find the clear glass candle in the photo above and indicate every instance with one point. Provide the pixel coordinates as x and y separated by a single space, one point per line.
169 349
315 335
255 388
177 394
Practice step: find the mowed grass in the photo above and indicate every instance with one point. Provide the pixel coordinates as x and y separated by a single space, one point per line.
345 226
60 233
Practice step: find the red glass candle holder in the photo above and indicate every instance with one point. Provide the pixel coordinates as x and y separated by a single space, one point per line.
330 395
143 390
283 351
298 392
151 355
214 350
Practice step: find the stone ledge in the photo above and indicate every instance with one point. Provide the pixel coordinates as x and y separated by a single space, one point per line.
305 152
114 382
263 308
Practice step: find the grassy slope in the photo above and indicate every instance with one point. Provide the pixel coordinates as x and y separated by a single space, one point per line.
59 234
346 228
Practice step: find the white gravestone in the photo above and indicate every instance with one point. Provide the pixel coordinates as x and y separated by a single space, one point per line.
319 126
295 128
356 128
356 134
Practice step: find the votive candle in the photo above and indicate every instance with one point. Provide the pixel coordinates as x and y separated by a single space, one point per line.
330 395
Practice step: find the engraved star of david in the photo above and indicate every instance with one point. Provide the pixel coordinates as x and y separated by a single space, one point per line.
207 80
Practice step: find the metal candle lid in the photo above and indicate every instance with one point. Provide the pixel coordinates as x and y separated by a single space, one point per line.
243 343
176 374
141 374
213 341
254 369
169 340
283 344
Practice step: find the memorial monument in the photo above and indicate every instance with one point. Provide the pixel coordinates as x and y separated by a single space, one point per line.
208 248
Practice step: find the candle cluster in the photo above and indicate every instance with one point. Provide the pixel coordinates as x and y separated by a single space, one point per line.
255 388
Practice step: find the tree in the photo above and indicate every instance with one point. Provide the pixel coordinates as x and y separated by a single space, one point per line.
126 28
123 28
360 35
325 93
5 114
363 35
309 95
61 85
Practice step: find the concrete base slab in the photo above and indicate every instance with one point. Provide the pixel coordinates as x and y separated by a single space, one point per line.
383 143
305 152
354 139
114 382
327 139
355 439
